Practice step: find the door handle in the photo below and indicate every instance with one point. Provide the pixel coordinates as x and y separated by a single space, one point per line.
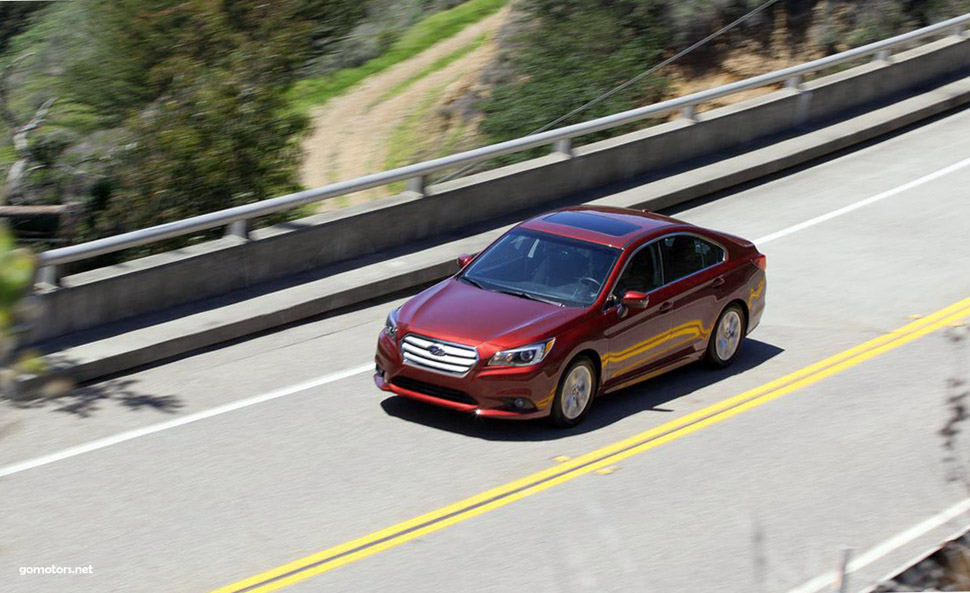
665 307
718 282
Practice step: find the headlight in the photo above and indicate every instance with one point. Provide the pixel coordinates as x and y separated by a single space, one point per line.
390 324
522 356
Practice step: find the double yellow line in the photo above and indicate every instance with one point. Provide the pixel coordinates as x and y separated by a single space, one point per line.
490 500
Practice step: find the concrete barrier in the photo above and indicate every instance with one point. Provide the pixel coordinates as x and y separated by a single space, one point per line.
152 284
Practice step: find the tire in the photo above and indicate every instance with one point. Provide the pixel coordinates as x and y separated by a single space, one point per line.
727 335
569 406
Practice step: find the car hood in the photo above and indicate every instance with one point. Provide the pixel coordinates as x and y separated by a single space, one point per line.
458 312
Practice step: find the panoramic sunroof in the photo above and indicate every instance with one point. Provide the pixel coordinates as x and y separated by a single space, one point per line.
592 222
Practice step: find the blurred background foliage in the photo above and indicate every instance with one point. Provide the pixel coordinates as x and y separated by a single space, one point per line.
16 272
164 109
567 55
198 87
563 53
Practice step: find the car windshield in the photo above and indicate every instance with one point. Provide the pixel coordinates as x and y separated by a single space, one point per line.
543 267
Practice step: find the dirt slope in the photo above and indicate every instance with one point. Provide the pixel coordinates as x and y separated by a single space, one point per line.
353 134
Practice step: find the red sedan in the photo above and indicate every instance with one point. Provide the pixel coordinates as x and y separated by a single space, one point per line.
570 305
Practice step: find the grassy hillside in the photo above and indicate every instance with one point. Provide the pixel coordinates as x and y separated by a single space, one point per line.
318 90
170 108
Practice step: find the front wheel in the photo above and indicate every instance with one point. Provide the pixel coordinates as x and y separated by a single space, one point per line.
574 394
725 341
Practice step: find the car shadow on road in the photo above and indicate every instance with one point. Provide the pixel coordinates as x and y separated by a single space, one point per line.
649 396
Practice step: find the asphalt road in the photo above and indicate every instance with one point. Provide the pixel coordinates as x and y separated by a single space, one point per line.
760 501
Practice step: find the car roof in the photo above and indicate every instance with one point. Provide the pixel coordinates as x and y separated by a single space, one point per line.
615 227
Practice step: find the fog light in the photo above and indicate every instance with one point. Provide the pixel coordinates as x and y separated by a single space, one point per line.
519 404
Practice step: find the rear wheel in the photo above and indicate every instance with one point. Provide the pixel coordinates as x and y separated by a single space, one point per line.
726 337
574 394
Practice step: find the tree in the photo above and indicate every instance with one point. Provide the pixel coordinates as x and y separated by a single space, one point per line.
207 119
139 45
20 130
220 142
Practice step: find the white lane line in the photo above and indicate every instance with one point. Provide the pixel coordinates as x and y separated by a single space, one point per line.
862 203
899 540
134 434
187 419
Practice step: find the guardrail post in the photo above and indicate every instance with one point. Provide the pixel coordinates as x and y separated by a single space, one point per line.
48 277
418 184
883 55
689 113
959 30
842 578
795 82
239 228
564 147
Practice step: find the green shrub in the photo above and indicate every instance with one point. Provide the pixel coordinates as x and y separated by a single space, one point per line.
16 273
568 55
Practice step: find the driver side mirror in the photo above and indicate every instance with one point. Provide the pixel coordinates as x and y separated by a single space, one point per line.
634 299
464 259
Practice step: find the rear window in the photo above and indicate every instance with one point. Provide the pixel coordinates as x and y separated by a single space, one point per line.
686 254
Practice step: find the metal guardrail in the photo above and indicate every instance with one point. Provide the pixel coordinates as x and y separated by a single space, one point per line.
236 218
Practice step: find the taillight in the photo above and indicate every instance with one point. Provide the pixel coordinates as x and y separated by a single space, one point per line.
761 261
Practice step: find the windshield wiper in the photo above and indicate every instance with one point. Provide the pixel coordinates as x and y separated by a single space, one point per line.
531 297
470 281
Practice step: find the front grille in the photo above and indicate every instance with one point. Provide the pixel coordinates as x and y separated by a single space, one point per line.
433 390
443 357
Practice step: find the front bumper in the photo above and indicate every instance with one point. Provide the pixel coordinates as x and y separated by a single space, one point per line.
484 391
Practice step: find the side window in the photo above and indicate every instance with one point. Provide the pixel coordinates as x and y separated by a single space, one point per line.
642 273
710 253
684 255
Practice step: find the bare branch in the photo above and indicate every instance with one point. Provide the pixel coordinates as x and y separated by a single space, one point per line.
20 135
5 111
11 185
74 170
19 170
41 114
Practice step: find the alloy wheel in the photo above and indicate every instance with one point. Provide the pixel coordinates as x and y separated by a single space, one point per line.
728 336
576 392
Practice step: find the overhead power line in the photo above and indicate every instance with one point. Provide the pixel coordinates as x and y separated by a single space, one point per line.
653 69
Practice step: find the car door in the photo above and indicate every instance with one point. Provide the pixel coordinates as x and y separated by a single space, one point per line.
637 336
693 271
